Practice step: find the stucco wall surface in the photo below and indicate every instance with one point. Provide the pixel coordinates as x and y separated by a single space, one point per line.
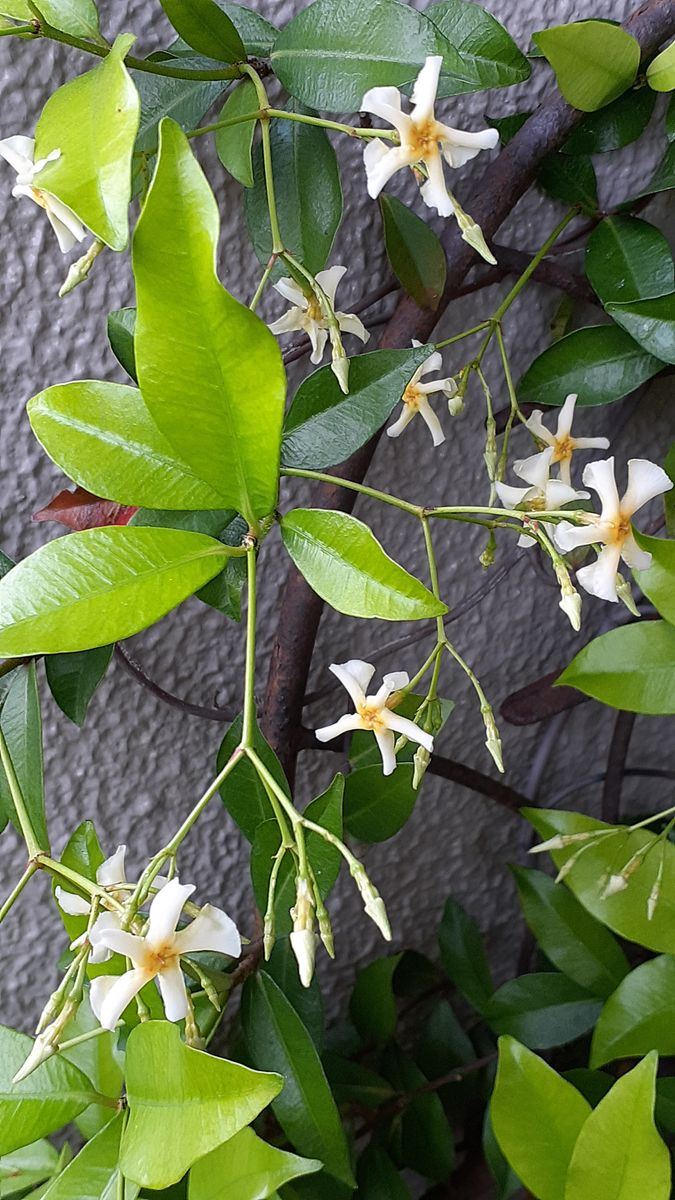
138 765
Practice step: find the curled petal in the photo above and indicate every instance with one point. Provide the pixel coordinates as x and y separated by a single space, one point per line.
211 930
174 993
290 291
395 681
599 578
395 430
381 166
289 322
459 146
535 469
112 871
346 724
426 85
74 906
354 675
385 102
536 426
410 730
318 336
109 995
19 152
430 420
645 481
511 497
569 537
633 556
594 443
329 279
350 323
165 911
433 363
68 228
385 741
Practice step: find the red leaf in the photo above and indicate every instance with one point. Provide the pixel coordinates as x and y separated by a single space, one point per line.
81 510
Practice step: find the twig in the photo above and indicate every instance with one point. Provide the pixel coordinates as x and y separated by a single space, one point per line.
195 710
610 807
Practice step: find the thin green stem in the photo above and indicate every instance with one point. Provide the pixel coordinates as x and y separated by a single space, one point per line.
17 30
457 337
515 407
263 283
265 112
277 240
25 824
241 119
428 662
80 881
17 890
135 64
171 847
248 728
459 510
82 1037
533 264
273 787
321 477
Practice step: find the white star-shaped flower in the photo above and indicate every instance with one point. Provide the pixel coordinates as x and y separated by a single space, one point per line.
157 955
110 875
543 494
423 139
415 398
612 527
562 441
307 314
372 712
19 152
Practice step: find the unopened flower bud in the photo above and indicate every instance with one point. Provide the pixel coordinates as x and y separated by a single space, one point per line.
570 600
78 271
615 884
373 902
269 934
493 740
420 763
472 233
623 591
456 405
193 1037
326 931
46 1043
340 362
303 938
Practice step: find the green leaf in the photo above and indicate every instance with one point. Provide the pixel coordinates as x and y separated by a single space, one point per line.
542 1010
242 792
664 177
505 1180
632 668
307 190
601 363
537 1118
224 591
594 61
639 1016
76 17
352 1083
669 498
21 723
661 70
377 1176
257 33
626 911
121 326
651 323
323 426
183 1103
670 120
372 1006
27 1167
571 939
73 679
665 1102
99 586
219 402
570 180
628 259
235 144
443 1043
420 1137
344 563
489 55
94 1174
619 1150
277 1040
617 125
414 252
48 1099
463 954
282 966
83 852
378 806
246 1168
333 51
93 121
96 1058
207 28
658 581
184 100
105 439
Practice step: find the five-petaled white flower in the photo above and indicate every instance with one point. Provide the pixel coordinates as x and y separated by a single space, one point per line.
157 955
543 495
612 526
372 712
19 152
308 315
415 398
562 441
110 875
423 139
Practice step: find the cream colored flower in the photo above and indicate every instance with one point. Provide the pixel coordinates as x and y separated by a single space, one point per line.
372 712
110 875
562 442
423 139
543 494
308 315
157 955
612 527
19 152
415 398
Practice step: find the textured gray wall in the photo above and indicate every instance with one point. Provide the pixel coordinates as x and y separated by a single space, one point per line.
138 766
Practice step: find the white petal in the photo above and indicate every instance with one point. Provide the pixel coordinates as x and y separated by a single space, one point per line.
174 993
569 537
211 930
600 476
385 741
99 954
600 577
318 336
633 556
112 870
395 430
354 675
346 724
290 291
64 236
433 363
426 85
395 681
558 493
430 420
409 729
594 443
120 941
459 147
289 322
511 497
525 541
67 227
536 426
381 166
535 469
74 906
19 152
165 911
328 281
350 323
645 481
385 102
434 192
566 416
109 995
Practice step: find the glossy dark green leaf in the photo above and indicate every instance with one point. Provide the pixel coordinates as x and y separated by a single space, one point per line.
670 120
282 966
121 327
235 143
665 1102
639 1016
377 1176
615 126
344 563
542 1010
73 679
256 32
323 426
489 55
378 806
628 259
353 1083
570 180
184 100
420 1137
206 27
242 792
632 668
307 190
663 179
372 1006
594 61
463 955
593 1085
571 939
334 50
415 254
21 724
651 323
443 1044
601 363
48 1099
278 1041
507 127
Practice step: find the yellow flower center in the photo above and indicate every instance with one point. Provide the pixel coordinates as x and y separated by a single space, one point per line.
412 396
620 528
563 449
423 139
371 715
158 959
38 197
314 312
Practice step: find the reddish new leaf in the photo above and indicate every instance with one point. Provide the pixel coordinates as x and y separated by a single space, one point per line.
81 510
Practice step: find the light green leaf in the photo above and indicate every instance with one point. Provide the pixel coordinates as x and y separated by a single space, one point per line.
278 1041
27 1167
207 28
658 581
218 396
335 50
121 326
105 439
570 938
323 426
628 259
97 1059
594 61
21 723
94 1174
651 323
372 1006
601 363
93 121
183 1103
101 585
246 1168
488 53
76 17
661 70
617 125
463 954
639 1016
48 1099
632 668
344 563
235 144
537 1118
73 679
416 256
542 1010
619 1151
